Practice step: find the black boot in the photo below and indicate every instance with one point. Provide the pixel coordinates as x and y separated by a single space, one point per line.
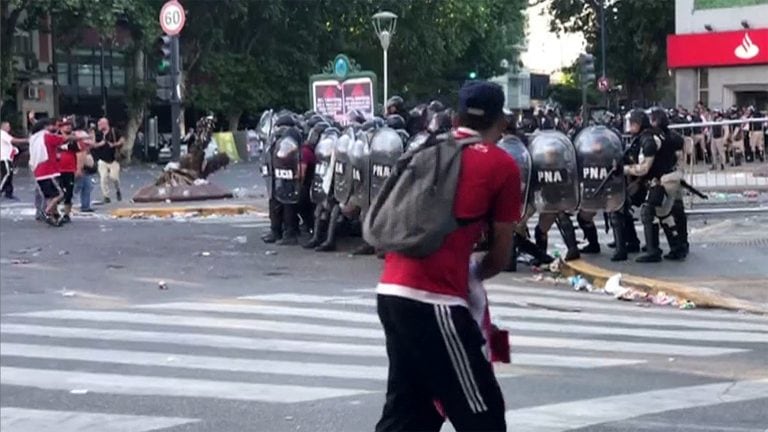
290 239
565 225
526 246
271 237
630 234
653 253
329 244
364 249
319 230
619 230
541 238
590 233
681 221
512 264
676 250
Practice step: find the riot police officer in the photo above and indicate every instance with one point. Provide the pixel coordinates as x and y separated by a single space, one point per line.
677 231
656 167
285 155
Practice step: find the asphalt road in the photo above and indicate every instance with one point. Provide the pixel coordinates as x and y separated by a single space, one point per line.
248 337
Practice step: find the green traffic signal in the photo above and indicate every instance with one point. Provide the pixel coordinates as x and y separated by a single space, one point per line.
472 75
164 66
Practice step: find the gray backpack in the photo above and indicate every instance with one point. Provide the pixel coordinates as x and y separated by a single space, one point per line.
413 212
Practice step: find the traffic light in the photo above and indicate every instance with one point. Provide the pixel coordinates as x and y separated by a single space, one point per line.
473 75
587 68
164 51
163 78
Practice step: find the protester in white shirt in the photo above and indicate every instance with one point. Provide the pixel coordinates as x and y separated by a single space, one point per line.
7 153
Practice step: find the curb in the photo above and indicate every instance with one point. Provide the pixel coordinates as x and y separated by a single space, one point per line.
701 297
194 211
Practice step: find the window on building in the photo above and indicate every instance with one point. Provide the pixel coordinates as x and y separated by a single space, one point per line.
703 80
62 73
22 43
85 75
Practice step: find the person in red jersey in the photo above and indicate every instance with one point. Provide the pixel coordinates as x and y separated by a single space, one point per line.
433 343
67 167
43 148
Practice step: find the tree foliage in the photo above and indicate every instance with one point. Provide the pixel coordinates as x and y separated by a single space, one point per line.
244 55
636 32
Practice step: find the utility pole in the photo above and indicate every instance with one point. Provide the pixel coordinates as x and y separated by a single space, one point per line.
175 99
602 48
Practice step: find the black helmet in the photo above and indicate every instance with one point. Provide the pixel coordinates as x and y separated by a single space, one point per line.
511 119
395 121
395 101
659 118
638 116
356 116
441 122
373 123
436 106
314 119
287 119
309 114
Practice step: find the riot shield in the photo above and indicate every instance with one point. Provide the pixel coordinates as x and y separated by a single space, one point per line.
515 148
264 132
598 150
323 155
360 158
286 159
555 175
386 149
342 172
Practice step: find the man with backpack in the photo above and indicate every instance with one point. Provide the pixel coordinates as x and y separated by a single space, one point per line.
428 217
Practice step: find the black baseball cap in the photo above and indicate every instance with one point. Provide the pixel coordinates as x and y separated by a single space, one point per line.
481 99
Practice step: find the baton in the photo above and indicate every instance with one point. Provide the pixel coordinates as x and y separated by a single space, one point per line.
693 190
602 184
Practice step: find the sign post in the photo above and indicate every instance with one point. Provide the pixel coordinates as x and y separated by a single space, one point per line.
172 20
341 88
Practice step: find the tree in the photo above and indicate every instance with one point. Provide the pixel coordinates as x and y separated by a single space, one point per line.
636 32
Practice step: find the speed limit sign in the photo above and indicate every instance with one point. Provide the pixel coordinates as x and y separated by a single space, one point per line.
172 18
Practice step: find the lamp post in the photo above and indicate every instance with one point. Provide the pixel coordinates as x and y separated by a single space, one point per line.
384 24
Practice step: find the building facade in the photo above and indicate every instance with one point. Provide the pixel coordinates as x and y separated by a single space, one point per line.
719 53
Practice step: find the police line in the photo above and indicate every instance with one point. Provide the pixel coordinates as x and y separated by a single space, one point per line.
718 123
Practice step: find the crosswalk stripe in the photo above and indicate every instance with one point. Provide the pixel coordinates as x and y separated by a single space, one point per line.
209 322
329 314
566 416
594 303
34 420
618 346
140 385
198 339
282 345
640 332
500 311
312 299
549 360
184 361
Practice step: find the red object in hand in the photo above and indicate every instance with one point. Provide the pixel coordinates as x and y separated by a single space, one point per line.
500 345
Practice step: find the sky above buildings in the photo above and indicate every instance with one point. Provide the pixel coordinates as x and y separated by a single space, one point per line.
548 52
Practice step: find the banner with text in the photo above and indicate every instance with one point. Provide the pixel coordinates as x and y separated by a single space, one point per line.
337 98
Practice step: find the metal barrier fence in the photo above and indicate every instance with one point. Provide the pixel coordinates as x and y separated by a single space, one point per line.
744 184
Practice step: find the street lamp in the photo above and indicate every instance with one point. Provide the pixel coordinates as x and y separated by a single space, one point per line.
384 25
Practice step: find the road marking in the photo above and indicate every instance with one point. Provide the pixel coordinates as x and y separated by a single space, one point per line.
618 346
139 385
566 416
548 360
499 311
280 345
33 420
199 339
311 299
328 314
641 332
209 322
183 361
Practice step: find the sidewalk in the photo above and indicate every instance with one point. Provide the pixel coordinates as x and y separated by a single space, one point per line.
728 261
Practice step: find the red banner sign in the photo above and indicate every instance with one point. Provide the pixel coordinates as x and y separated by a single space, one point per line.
742 47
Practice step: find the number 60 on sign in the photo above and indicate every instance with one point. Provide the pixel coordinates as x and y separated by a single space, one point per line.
172 18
